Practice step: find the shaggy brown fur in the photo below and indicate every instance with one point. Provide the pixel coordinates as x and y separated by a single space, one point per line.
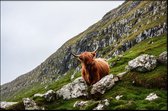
93 69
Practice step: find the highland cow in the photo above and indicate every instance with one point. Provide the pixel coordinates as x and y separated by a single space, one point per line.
93 69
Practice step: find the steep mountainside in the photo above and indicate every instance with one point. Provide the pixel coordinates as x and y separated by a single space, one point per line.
119 30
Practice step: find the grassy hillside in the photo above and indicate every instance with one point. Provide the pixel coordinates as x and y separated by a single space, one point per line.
118 27
133 94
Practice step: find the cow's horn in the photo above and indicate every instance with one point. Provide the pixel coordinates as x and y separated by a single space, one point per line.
74 55
96 49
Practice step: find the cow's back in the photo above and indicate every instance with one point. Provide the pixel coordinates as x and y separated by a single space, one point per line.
102 67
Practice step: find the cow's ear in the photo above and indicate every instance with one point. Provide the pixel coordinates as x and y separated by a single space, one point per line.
94 54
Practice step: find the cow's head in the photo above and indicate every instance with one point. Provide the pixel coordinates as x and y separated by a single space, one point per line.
86 57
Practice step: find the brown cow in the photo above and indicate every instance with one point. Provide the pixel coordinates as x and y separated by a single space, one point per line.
93 69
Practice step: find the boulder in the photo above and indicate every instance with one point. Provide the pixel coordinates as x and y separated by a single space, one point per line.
104 84
79 88
151 96
30 104
163 57
73 90
142 63
5 104
50 95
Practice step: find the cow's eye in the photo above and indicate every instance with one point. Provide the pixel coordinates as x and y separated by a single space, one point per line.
80 58
94 54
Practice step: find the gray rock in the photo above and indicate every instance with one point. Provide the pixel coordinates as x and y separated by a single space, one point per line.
118 97
142 63
163 57
79 88
50 95
104 84
5 104
102 105
99 107
38 95
30 104
151 97
73 90
80 103
120 75
139 38
116 52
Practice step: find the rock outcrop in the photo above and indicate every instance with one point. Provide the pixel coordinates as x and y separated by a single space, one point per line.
48 96
79 87
104 84
163 57
73 90
5 104
142 63
151 97
30 104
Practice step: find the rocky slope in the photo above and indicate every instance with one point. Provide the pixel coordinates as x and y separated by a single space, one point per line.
119 30
91 97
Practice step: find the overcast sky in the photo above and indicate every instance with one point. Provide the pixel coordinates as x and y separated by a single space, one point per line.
32 30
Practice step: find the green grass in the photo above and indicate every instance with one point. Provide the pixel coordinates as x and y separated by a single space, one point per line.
40 88
154 81
159 45
27 92
149 79
62 81
90 105
133 94
61 105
